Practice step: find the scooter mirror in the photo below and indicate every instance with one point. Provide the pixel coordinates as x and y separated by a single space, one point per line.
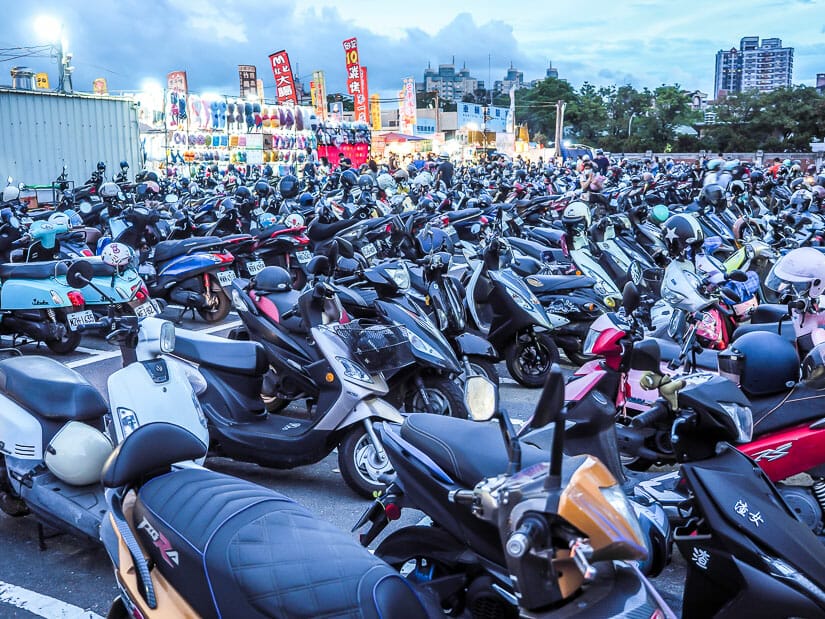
79 274
551 400
646 357
345 248
481 398
738 276
630 298
319 265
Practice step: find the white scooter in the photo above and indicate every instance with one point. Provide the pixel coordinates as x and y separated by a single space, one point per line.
56 429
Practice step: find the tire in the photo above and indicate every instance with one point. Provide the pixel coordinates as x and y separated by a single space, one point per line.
10 503
221 305
529 363
577 358
299 278
359 463
70 340
485 367
445 395
636 463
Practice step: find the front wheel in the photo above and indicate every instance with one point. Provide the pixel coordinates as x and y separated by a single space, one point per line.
361 464
437 395
69 341
217 303
530 358
484 367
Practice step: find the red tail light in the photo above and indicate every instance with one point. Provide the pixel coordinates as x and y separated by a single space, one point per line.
76 298
225 258
445 220
142 294
483 219
388 229
87 252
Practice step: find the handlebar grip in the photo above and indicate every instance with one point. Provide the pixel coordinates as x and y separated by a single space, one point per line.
524 538
649 417
461 497
91 326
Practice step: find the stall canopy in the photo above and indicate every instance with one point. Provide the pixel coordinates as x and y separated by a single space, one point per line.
401 137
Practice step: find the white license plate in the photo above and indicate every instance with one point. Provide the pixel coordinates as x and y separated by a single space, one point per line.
369 250
225 278
519 221
258 212
146 310
255 267
303 256
80 318
451 231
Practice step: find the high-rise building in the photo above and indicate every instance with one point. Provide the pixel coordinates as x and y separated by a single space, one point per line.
514 77
820 83
451 85
764 67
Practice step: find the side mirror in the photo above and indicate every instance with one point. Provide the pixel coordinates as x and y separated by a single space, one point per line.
345 248
80 274
738 276
630 298
646 357
481 398
551 400
319 265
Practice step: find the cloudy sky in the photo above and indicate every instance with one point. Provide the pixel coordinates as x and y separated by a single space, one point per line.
641 42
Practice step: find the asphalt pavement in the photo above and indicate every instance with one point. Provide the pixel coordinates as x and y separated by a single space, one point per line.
71 579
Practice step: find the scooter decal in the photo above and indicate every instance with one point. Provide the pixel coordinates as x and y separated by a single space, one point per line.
773 454
170 555
700 557
742 509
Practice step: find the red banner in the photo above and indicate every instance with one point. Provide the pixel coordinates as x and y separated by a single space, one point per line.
284 82
353 64
361 99
176 82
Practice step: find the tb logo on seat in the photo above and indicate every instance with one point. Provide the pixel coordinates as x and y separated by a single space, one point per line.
169 554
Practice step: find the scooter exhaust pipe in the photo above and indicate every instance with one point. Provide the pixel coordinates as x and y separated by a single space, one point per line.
187 298
41 331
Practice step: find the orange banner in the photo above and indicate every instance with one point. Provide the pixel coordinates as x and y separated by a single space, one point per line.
284 82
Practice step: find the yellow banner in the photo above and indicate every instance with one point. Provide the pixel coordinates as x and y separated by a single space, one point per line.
41 80
375 112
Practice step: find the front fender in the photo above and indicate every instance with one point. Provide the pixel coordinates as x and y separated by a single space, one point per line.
472 344
373 408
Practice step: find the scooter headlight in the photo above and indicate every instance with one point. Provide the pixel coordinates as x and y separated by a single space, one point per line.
787 572
420 345
742 418
167 337
354 370
401 277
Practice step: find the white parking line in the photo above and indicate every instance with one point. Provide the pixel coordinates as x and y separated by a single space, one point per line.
42 605
221 327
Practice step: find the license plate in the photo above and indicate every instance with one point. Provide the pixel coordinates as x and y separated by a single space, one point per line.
254 267
258 212
369 250
225 278
519 221
450 230
80 318
146 310
303 256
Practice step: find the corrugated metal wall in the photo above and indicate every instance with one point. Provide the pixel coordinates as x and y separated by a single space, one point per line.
40 132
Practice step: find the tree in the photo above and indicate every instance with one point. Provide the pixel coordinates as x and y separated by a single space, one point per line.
671 108
536 106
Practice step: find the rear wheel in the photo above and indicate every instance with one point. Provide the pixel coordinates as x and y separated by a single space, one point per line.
217 303
69 341
10 503
360 463
530 358
439 395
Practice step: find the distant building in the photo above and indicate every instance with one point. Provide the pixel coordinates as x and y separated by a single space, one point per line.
451 85
820 83
698 100
764 67
514 77
550 72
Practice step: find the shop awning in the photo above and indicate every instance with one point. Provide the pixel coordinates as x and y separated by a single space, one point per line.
401 137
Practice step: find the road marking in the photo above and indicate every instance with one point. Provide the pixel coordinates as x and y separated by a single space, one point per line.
221 327
42 605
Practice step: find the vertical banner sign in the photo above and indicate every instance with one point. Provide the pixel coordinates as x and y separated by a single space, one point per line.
408 116
320 94
284 82
362 108
176 89
99 86
353 65
259 86
248 76
41 80
511 122
375 112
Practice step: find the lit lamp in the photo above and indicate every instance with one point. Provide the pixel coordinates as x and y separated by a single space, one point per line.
51 29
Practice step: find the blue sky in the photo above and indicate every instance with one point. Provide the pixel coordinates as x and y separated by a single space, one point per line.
641 42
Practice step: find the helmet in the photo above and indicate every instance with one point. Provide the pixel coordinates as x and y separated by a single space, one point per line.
730 166
148 188
349 178
267 171
385 182
787 163
366 182
576 214
76 454
796 184
243 196
288 186
267 220
818 193
713 194
306 199
647 177
261 189
659 214
424 179
757 176
599 151
521 174
401 175
761 362
801 270
801 199
796 169
411 170
272 279
124 165
184 182
682 232
101 166
715 164
737 188
813 367
108 190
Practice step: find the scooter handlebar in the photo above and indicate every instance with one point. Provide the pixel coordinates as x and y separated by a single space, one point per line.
105 323
649 417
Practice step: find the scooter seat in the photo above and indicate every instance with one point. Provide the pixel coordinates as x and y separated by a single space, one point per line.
166 250
555 283
276 304
467 451
50 389
32 270
236 549
787 330
319 231
465 213
669 350
770 312
785 409
221 353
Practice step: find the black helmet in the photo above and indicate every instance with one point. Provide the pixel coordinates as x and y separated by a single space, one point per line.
757 176
101 166
306 199
521 174
184 182
813 367
267 172
713 194
262 189
272 279
288 187
366 182
124 165
243 196
426 204
761 363
151 176
349 178
682 232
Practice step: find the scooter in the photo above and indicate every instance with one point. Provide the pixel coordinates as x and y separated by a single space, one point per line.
56 430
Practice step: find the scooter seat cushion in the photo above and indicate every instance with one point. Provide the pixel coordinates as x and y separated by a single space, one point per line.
221 353
782 410
465 213
319 231
554 283
786 330
166 250
50 389
32 270
235 549
467 451
668 350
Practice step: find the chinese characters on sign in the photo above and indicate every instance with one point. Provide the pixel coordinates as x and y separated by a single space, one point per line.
284 82
408 116
248 75
320 94
362 106
356 80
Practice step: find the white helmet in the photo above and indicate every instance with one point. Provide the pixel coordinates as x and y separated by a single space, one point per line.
801 270
117 254
109 190
76 454
385 182
576 214
11 193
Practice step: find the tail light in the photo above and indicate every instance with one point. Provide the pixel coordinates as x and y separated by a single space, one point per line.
225 258
483 220
445 220
388 229
142 294
76 298
87 252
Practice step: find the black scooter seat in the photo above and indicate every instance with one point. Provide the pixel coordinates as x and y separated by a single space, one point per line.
467 451
166 250
465 213
50 389
319 231
555 283
221 353
546 235
786 331
283 303
780 411
236 549
669 350
32 270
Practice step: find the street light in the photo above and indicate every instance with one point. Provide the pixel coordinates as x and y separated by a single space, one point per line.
630 123
52 30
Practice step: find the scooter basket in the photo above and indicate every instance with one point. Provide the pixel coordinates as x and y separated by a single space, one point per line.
378 348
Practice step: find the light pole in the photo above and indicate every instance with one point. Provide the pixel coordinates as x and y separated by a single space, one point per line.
51 29
630 123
